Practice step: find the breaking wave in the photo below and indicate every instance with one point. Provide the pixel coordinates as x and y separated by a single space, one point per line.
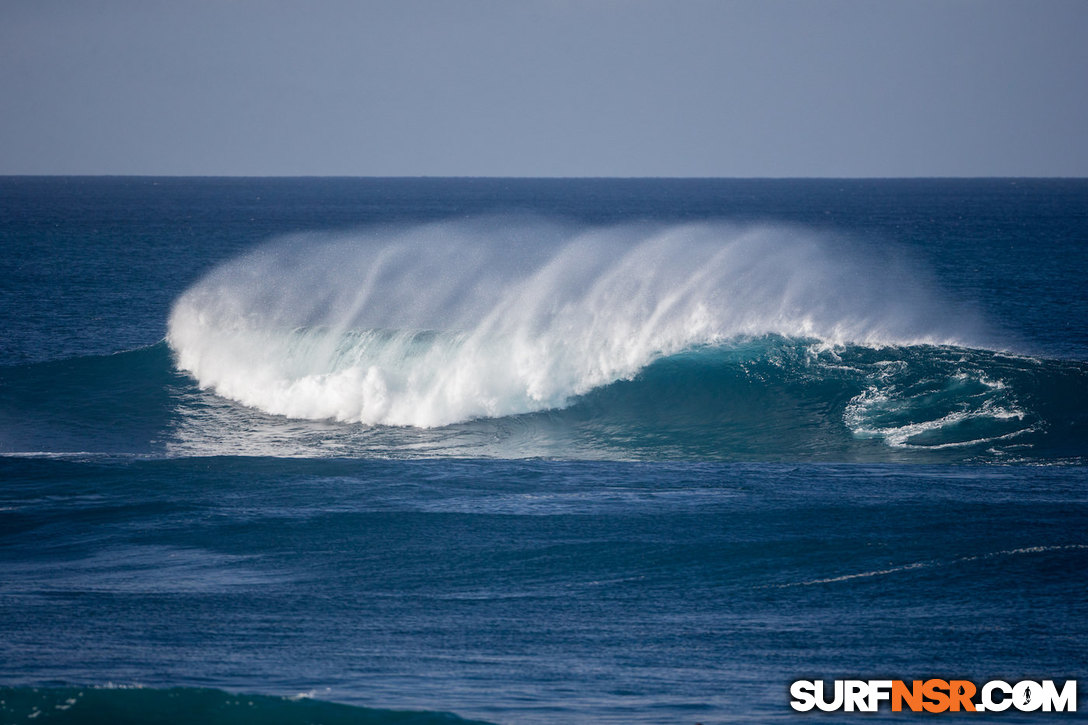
443 323
513 339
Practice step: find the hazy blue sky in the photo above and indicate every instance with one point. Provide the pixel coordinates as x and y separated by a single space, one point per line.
545 88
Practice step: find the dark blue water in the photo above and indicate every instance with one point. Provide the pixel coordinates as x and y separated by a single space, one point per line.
535 450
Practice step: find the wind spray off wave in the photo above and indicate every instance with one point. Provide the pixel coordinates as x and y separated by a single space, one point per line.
441 323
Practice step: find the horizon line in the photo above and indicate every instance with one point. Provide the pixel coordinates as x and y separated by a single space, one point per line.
555 178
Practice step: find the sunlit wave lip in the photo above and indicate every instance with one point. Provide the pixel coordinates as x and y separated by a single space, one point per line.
436 324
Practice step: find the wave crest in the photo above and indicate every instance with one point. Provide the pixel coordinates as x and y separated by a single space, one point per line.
435 324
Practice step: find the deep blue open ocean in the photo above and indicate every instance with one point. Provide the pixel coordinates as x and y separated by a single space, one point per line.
535 451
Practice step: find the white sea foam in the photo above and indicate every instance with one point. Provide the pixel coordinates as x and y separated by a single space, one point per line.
908 409
451 321
930 564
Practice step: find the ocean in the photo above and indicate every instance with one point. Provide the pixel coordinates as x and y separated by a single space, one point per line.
536 450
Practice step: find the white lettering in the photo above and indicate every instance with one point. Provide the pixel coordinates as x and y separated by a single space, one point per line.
879 690
997 705
822 703
804 695
1064 701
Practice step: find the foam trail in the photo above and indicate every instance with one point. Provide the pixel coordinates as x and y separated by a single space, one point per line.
447 322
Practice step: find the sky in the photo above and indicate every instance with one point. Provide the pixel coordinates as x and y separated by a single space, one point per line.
720 88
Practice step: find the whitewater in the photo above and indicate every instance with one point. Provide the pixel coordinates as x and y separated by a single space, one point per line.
535 451
443 323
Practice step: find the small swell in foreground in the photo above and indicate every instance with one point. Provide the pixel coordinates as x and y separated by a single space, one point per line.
183 705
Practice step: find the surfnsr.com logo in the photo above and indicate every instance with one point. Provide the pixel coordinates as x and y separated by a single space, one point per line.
934 696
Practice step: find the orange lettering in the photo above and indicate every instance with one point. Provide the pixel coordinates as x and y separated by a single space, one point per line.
912 695
935 691
961 692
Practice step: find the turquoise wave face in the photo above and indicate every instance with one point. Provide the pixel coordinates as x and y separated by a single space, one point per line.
185 705
777 399
762 399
